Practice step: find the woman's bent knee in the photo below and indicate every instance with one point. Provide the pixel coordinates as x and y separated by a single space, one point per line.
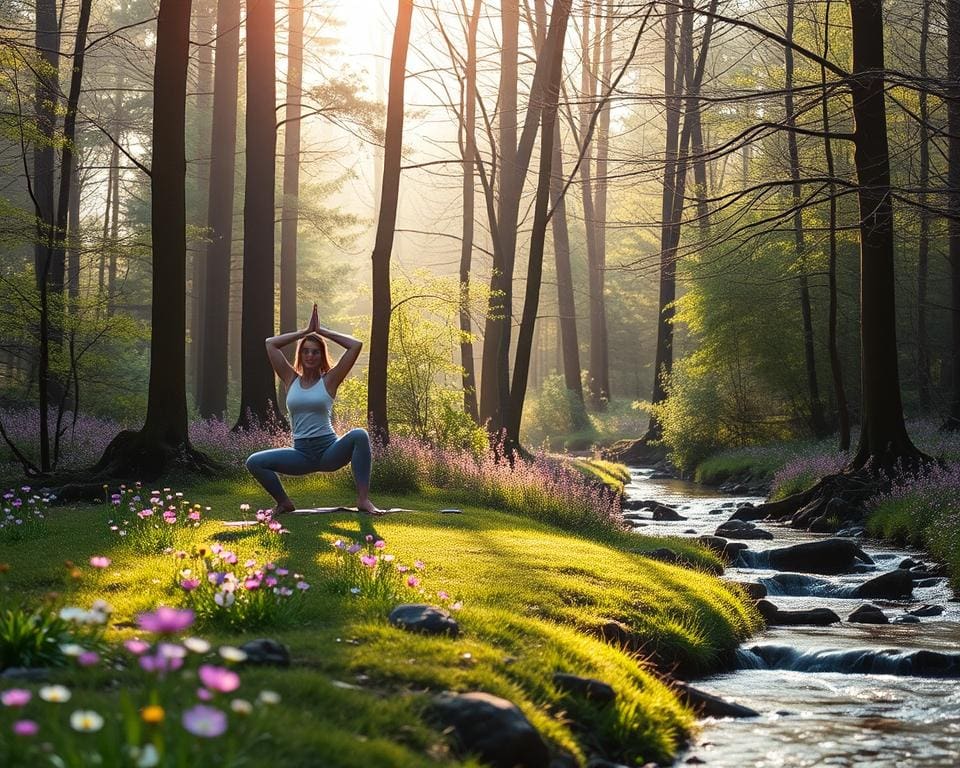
359 435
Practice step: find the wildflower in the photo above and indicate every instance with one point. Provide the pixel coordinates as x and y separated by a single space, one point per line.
457 605
86 721
251 584
153 714
218 679
160 664
230 653
282 571
338 544
88 659
443 595
354 590
241 706
171 651
388 558
189 584
224 599
148 757
303 586
56 694
98 561
368 537
196 645
380 544
15 697
136 647
26 727
413 582
244 507
72 649
166 621
268 697
419 565
204 721
369 560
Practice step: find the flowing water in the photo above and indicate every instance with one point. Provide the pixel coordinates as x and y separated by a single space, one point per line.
843 695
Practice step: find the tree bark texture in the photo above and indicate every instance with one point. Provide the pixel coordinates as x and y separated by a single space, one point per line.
47 41
883 435
290 216
470 404
953 204
212 363
258 394
386 225
817 422
553 49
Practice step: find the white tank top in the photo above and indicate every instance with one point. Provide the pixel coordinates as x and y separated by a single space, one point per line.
309 410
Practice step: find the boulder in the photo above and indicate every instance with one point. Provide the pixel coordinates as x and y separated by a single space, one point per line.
266 652
926 611
907 619
663 513
491 728
925 583
892 585
827 556
749 513
708 705
588 688
868 614
728 550
908 563
754 590
745 531
416 617
815 617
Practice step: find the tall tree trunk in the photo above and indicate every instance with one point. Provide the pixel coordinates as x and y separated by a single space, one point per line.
470 405
204 25
386 225
105 238
258 395
663 361
923 246
600 370
495 363
843 412
213 368
596 376
553 49
164 439
290 217
953 204
47 41
883 435
566 304
74 234
114 229
817 423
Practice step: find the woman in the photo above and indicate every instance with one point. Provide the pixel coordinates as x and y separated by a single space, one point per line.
311 385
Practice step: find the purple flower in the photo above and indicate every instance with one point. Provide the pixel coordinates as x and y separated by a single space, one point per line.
353 549
190 584
368 560
380 544
166 621
208 722
413 582
88 659
15 697
136 647
218 679
26 728
303 586
98 561
160 663
251 584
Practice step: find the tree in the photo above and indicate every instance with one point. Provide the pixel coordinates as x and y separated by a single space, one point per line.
212 367
163 440
258 394
290 217
386 224
953 198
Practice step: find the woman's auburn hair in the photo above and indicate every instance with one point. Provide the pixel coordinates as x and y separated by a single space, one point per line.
324 353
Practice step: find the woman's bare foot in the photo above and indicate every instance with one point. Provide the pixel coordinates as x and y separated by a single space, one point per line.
284 507
369 508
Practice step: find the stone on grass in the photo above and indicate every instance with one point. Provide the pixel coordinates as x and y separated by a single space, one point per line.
491 728
426 619
266 652
868 614
588 688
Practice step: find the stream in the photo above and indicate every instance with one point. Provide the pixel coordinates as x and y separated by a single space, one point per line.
847 694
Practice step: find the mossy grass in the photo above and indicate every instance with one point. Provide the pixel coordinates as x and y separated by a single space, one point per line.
533 599
610 473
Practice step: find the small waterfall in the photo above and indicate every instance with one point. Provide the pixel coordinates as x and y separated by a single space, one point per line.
866 661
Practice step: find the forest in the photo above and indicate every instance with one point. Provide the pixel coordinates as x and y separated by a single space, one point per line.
561 251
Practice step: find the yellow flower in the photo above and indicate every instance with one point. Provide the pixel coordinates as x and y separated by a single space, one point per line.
153 714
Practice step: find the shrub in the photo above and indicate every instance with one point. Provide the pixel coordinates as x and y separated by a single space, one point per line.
555 412
23 514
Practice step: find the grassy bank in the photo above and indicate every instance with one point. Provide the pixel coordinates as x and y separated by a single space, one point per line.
922 511
530 598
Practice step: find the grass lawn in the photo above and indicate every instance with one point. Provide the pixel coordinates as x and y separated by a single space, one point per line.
532 599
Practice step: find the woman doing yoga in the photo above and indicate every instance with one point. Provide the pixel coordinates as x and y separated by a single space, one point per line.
311 385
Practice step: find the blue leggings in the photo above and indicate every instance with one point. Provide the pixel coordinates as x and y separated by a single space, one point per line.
313 454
